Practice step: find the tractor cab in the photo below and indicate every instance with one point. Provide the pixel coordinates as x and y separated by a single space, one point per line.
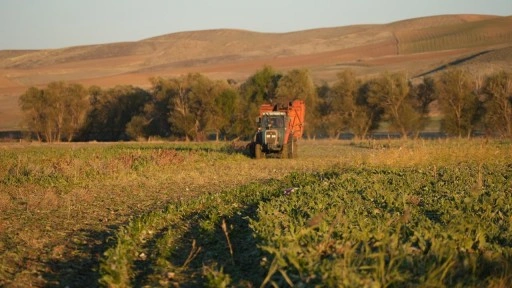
272 130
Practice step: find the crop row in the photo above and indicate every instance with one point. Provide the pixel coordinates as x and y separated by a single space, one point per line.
190 240
406 227
437 226
449 37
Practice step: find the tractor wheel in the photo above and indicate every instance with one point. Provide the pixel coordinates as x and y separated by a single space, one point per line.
258 154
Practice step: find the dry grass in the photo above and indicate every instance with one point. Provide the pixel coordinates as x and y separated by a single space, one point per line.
5 203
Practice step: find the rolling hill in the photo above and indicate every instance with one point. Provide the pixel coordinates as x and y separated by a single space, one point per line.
421 46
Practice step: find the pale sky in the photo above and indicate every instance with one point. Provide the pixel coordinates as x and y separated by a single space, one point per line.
43 24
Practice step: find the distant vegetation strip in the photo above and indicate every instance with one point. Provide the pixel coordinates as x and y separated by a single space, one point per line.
194 107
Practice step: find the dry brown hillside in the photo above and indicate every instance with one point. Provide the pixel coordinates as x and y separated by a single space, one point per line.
421 46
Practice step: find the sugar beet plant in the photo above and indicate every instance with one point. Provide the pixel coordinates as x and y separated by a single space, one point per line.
362 227
206 240
345 227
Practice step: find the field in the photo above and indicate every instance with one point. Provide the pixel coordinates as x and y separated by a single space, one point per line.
371 213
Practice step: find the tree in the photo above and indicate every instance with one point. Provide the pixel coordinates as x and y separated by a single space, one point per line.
324 110
32 103
257 89
261 86
297 84
111 111
136 128
226 105
57 112
498 105
391 93
204 92
44 112
55 97
423 94
77 106
358 116
458 102
338 105
157 109
192 103
181 120
366 115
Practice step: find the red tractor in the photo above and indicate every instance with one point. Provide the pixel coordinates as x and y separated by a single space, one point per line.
279 129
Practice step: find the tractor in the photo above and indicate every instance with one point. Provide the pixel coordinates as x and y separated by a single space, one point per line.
279 129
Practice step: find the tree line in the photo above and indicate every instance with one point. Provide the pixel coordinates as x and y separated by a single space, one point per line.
194 107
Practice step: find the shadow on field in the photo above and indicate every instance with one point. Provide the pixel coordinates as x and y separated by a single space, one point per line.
80 269
453 63
206 236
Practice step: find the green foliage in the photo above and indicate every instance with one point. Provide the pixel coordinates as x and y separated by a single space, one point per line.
224 119
55 113
173 253
261 86
391 92
458 102
169 214
257 89
135 128
217 279
424 94
344 108
297 84
498 105
354 226
112 110
389 227
194 107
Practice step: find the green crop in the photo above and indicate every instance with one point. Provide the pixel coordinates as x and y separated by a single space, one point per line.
346 213
344 227
385 227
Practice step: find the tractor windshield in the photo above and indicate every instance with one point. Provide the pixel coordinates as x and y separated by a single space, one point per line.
275 122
